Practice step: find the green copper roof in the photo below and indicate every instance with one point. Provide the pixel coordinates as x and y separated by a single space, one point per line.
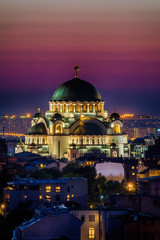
38 129
76 90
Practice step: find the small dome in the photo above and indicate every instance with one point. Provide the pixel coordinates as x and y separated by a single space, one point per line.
72 145
57 116
37 129
76 90
114 116
38 115
113 145
32 145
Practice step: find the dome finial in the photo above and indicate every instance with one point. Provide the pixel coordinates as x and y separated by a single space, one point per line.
76 68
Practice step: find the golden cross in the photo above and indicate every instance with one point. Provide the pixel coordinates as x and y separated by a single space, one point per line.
76 68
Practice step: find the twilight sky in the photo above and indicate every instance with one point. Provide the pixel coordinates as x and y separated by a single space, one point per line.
116 44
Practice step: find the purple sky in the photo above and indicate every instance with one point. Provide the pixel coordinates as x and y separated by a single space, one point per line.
115 43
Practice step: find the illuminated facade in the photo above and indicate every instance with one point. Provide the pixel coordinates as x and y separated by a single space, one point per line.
75 123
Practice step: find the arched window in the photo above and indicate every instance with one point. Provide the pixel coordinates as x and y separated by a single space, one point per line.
93 142
99 107
96 108
43 141
64 107
114 154
71 107
38 141
116 128
58 128
87 141
84 107
78 108
90 108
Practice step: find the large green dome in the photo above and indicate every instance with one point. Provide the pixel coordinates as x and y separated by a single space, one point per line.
76 90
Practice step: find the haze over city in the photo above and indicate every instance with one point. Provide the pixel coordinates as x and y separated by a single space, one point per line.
116 45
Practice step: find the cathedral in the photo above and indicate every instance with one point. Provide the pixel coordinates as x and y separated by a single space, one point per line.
76 123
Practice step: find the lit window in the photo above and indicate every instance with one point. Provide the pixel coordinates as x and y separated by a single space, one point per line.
133 173
25 196
68 197
40 196
91 233
48 198
41 165
133 167
48 188
91 218
72 195
58 189
59 128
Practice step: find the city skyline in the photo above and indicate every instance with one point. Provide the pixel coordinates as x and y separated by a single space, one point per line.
116 45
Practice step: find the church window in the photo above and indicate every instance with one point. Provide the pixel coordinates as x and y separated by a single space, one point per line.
43 141
99 107
64 106
114 154
87 141
38 141
58 128
71 108
84 107
91 108
96 108
116 128
78 108
93 141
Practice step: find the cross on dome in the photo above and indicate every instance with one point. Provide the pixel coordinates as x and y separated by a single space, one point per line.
76 68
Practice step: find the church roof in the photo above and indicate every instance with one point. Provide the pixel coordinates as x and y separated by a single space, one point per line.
76 90
37 129
92 128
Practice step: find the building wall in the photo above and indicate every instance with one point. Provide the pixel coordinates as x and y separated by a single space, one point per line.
91 221
51 227
60 191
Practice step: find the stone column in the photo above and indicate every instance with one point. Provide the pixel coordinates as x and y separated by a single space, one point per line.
94 107
67 107
74 107
88 107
